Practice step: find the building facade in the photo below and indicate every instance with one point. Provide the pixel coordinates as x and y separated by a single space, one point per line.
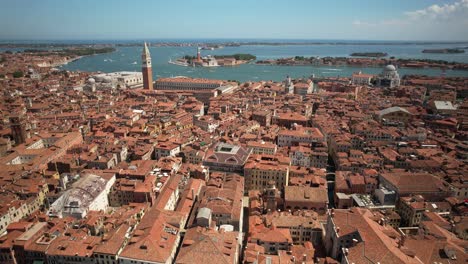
259 172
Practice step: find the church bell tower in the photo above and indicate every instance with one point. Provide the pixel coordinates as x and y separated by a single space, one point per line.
146 68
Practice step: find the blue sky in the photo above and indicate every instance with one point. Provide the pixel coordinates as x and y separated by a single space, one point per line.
270 19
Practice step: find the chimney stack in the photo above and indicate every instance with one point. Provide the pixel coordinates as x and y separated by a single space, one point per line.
401 242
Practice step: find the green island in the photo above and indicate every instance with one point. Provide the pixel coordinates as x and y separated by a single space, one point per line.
72 52
214 60
88 51
444 51
237 56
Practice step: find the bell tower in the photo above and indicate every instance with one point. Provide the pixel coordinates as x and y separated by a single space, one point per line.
271 196
18 129
198 54
146 68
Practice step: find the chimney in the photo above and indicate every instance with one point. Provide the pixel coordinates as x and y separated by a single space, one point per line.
382 221
401 242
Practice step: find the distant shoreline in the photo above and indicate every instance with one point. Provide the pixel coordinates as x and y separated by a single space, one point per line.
444 51
231 43
369 54
364 62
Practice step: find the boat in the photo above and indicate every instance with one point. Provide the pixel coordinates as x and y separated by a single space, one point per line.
179 62
135 63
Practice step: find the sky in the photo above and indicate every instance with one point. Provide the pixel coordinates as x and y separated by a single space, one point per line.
234 19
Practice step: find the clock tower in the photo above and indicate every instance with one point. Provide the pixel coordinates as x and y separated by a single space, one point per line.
146 68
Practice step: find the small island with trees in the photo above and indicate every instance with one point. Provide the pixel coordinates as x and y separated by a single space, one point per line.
444 51
214 60
72 51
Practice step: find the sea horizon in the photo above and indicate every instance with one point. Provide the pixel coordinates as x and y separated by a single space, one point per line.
214 40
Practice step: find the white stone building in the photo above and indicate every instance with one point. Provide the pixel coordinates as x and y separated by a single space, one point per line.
88 193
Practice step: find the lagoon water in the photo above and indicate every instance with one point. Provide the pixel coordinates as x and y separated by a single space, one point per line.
128 59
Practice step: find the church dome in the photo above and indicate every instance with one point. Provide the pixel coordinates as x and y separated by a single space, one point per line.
107 79
389 77
390 68
91 80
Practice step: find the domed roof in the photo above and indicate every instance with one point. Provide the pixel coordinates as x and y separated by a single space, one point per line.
91 80
107 79
390 68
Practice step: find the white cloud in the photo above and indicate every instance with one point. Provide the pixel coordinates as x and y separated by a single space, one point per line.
457 10
435 22
362 23
389 22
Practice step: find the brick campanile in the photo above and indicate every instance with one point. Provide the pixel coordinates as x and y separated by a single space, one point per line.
146 68
18 129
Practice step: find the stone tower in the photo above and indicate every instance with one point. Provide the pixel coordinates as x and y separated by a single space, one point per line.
18 129
198 54
146 68
288 85
271 196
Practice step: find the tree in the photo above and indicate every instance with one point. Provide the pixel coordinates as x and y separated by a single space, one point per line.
243 56
18 74
188 57
238 56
